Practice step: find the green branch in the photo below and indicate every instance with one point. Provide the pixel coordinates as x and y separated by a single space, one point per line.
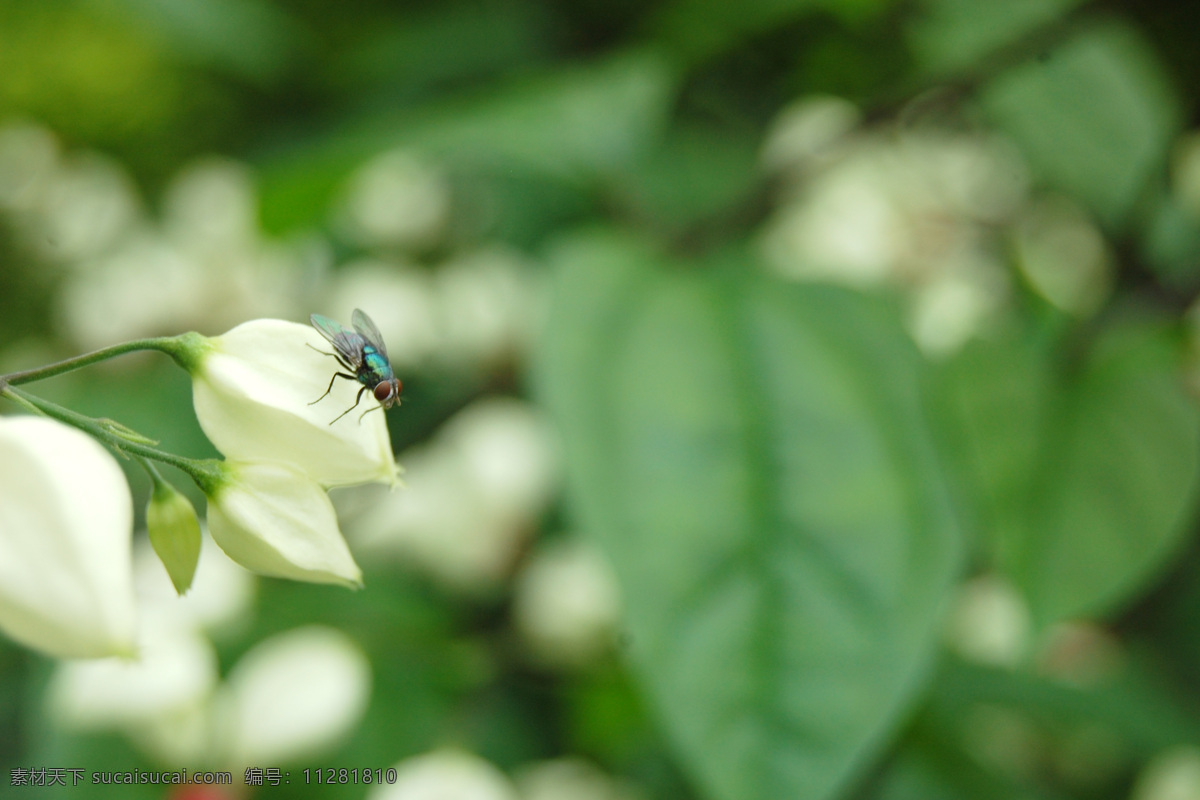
207 473
182 348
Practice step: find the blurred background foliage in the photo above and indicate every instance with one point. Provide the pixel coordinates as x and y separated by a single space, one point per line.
800 394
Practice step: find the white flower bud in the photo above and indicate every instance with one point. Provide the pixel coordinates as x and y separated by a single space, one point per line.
395 199
176 668
446 775
66 520
293 695
1170 775
252 390
571 779
273 520
567 605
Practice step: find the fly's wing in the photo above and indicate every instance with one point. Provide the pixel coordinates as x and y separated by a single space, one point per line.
347 344
364 325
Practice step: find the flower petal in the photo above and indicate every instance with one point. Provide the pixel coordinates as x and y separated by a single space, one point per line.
274 520
66 520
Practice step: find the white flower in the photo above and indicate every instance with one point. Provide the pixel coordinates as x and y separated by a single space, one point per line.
566 605
293 695
29 160
395 199
570 779
807 130
403 305
88 204
221 596
490 303
253 387
272 519
446 775
1171 775
1185 173
65 525
473 496
211 207
989 622
1064 256
176 668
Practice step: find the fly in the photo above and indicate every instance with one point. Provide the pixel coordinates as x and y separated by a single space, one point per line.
361 352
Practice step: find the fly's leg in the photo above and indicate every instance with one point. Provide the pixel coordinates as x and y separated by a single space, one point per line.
341 361
368 411
351 408
328 389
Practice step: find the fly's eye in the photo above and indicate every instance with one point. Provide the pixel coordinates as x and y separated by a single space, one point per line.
383 391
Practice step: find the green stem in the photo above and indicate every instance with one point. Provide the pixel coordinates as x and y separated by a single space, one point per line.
160 486
182 348
207 473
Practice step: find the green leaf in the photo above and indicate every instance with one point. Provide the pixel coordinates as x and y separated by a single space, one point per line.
1141 709
253 39
753 457
697 30
1095 117
569 124
1170 242
955 35
1088 481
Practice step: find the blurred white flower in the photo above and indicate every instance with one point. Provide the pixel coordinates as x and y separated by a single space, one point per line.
490 306
144 288
473 496
807 130
205 267
292 696
65 525
211 206
848 230
1185 172
274 520
977 177
395 199
990 623
401 302
1064 256
253 389
86 205
175 669
222 592
945 311
570 779
28 160
916 210
446 775
566 604
506 450
1171 775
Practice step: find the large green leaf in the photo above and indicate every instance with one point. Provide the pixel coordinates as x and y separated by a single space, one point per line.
1087 479
754 459
1095 116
